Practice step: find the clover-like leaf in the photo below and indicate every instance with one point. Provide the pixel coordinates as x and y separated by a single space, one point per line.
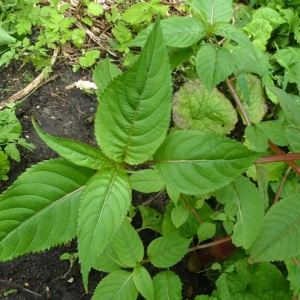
194 107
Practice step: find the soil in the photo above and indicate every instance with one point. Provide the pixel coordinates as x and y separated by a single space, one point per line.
64 113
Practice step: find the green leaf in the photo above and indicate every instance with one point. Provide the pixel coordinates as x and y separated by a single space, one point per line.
152 218
95 9
179 215
257 107
278 237
180 32
250 210
206 231
143 282
117 285
40 209
78 153
194 107
293 275
167 250
4 165
138 13
134 112
5 38
213 10
213 65
256 282
198 163
103 207
106 262
167 285
89 58
128 245
147 181
12 150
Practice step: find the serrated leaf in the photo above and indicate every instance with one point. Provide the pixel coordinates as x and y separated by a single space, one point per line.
278 237
128 245
134 112
147 181
40 209
167 285
143 282
198 163
213 10
179 215
12 150
257 108
138 13
117 285
206 231
213 65
194 107
104 73
103 207
180 32
78 153
167 250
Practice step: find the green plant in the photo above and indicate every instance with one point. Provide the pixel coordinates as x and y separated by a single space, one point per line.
220 190
10 132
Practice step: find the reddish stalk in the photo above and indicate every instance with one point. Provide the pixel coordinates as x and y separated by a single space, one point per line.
210 244
192 209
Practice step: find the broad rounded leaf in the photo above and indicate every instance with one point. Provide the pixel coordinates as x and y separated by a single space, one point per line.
134 112
179 215
278 238
167 285
213 65
198 163
102 210
147 181
143 282
78 153
40 209
116 285
167 250
194 107
206 231
5 38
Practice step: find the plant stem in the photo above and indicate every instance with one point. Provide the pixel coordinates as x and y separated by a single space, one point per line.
286 174
192 210
207 245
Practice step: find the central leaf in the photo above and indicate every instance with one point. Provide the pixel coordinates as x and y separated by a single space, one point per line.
134 111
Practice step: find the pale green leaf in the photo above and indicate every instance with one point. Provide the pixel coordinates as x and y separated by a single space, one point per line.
257 108
180 32
179 215
103 207
89 58
194 107
117 285
213 65
106 263
198 163
95 8
143 282
12 151
173 194
5 38
206 231
40 209
134 112
128 245
138 13
167 285
152 218
269 14
104 73
4 165
78 153
147 181
167 250
278 237
213 10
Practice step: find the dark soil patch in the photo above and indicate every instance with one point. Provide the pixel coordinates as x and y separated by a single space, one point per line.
64 113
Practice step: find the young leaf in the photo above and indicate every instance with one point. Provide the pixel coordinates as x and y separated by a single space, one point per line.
152 218
206 231
250 210
213 10
104 73
103 207
116 285
167 250
134 112
167 285
194 107
179 215
40 209
143 282
278 237
128 245
180 32
198 163
147 181
213 65
78 153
